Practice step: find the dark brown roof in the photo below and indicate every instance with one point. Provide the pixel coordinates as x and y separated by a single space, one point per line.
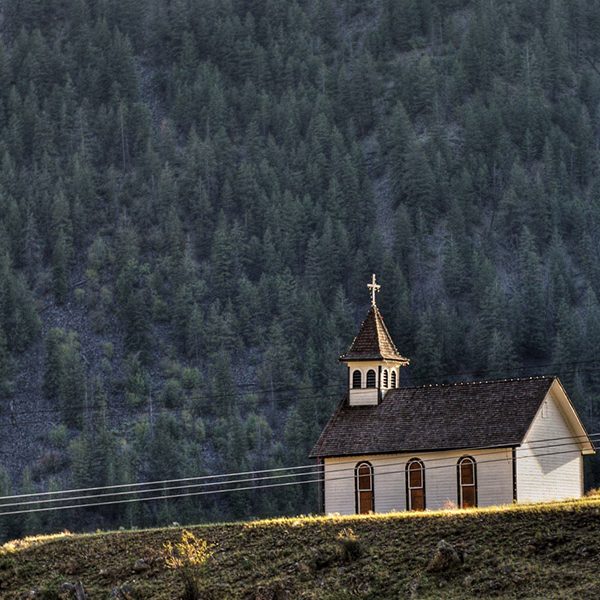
478 414
373 341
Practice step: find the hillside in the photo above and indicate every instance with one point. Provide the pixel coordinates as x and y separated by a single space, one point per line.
193 195
536 551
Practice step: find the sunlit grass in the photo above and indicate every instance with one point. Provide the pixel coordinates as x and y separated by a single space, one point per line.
511 551
31 541
591 499
425 514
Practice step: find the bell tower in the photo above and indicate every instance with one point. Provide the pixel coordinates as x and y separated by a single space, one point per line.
373 360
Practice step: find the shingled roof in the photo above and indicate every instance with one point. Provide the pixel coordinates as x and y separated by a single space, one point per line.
479 414
373 341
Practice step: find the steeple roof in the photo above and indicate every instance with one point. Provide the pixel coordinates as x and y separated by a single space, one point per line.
373 341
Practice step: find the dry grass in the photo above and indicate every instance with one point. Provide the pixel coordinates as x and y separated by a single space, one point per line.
530 551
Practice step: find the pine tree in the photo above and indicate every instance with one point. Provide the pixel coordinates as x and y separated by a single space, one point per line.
32 522
427 363
223 259
60 268
133 296
400 136
501 357
418 180
531 325
5 368
7 525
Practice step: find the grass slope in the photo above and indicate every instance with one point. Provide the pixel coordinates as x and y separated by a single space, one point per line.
534 551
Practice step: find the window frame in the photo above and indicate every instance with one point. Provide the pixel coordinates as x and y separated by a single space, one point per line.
394 379
357 488
409 487
354 374
373 374
386 379
463 460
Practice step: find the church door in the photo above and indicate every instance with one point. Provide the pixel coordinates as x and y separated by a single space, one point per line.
364 488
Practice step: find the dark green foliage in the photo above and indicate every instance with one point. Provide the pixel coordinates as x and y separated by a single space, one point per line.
5 367
65 377
206 187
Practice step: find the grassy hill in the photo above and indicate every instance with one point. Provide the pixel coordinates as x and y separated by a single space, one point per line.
534 551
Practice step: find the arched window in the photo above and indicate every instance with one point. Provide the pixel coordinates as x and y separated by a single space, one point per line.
356 379
467 482
363 481
386 378
394 379
415 484
370 378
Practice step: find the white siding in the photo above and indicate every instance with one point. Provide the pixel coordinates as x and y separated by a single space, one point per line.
557 475
494 479
364 396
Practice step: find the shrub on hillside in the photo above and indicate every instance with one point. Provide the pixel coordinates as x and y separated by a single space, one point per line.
187 557
349 544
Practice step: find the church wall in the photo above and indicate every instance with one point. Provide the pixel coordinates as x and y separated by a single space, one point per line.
551 469
494 479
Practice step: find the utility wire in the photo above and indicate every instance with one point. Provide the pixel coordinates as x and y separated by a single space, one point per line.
583 437
247 488
246 480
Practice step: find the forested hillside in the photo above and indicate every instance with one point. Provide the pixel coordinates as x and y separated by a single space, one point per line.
194 193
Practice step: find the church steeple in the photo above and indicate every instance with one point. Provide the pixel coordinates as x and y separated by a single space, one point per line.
373 359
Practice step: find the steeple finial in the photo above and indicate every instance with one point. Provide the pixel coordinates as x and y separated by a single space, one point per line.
374 287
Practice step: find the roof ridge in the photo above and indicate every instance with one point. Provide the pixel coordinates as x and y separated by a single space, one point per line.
383 330
478 382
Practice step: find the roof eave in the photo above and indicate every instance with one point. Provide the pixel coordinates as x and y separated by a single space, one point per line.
359 358
415 450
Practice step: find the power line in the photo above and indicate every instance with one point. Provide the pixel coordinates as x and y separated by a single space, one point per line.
246 480
156 490
581 438
229 482
145 491
253 488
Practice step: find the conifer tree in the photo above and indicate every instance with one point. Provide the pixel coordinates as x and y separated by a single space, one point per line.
427 363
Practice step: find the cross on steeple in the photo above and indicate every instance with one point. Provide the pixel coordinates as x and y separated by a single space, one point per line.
374 287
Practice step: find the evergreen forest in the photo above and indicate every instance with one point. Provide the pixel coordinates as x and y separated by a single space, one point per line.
193 197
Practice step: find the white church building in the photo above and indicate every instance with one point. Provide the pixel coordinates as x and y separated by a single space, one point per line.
479 443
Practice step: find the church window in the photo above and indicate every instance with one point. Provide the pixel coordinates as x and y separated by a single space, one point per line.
370 378
467 482
385 378
415 484
363 481
356 379
393 379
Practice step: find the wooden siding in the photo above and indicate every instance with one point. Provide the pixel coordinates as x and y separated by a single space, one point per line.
364 396
557 475
494 479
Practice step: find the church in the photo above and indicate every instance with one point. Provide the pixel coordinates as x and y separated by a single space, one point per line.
478 443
